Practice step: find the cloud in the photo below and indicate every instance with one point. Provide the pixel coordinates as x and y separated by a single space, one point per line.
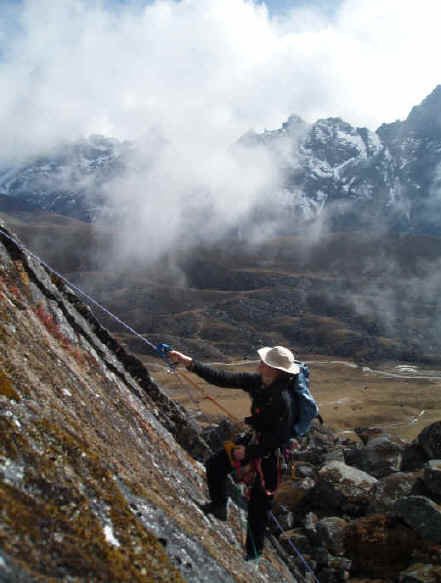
207 70
173 195
187 78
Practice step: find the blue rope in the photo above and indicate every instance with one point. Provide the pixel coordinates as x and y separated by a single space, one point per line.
297 552
161 348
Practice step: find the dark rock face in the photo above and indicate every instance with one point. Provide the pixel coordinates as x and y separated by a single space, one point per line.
426 446
432 478
429 440
421 514
414 458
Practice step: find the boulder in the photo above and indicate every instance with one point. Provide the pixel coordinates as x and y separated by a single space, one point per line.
421 573
284 517
297 537
367 433
343 488
331 531
320 442
432 478
305 470
379 546
381 456
422 515
292 493
414 458
310 525
426 446
337 570
430 440
391 488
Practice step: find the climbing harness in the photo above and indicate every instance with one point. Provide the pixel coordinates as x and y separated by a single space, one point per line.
245 475
287 458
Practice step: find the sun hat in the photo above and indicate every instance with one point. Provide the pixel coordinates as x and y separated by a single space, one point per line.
279 357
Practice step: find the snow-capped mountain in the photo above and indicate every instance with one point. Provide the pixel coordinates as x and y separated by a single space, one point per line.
357 177
70 180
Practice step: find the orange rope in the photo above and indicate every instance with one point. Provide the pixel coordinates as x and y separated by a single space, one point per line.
205 396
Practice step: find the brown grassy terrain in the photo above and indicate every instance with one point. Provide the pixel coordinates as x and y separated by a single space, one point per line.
349 396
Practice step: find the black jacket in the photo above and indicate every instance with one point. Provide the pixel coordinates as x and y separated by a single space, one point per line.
271 406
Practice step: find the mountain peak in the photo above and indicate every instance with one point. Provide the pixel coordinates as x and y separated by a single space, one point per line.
294 123
426 117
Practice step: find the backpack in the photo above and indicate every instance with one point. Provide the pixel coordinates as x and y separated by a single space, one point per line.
304 407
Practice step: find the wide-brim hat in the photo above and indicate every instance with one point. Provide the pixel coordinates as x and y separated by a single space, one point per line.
279 357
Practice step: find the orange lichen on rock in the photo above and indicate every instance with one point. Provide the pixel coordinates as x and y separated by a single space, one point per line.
380 546
7 388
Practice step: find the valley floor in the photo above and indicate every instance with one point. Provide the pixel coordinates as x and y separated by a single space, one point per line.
397 397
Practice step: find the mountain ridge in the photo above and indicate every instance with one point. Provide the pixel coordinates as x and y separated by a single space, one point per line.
357 176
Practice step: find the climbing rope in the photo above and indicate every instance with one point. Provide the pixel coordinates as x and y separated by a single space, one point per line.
208 397
161 349
297 552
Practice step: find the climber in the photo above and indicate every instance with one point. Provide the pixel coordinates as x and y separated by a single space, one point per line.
270 422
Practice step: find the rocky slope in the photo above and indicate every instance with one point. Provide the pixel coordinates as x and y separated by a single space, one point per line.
99 480
366 511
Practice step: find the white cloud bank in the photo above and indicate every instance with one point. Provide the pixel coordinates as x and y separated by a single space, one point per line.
187 78
205 71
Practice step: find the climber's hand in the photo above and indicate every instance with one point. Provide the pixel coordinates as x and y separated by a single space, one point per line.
179 358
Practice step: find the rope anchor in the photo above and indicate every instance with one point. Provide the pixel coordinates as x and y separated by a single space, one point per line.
163 350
